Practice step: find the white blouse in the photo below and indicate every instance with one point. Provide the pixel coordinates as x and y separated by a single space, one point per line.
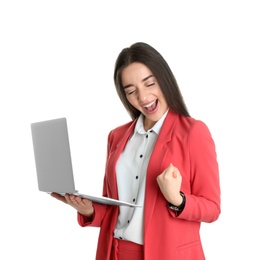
131 178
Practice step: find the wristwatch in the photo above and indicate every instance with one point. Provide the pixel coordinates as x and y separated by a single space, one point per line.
181 206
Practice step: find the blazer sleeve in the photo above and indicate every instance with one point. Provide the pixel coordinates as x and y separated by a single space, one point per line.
203 198
96 220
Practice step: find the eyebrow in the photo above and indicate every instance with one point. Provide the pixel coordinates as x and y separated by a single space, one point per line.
143 80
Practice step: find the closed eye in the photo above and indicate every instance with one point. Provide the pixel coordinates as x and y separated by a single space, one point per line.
151 84
131 92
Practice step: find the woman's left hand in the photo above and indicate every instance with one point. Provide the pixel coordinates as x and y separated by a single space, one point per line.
169 182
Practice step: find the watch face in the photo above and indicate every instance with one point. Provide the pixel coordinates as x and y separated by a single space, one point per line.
173 207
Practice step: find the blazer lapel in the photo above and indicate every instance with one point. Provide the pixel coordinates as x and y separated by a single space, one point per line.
114 155
157 165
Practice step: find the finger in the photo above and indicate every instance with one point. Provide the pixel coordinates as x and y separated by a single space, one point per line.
173 170
69 198
73 199
78 200
58 197
170 171
175 173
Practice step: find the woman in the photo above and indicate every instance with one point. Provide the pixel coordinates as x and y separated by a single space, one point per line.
163 160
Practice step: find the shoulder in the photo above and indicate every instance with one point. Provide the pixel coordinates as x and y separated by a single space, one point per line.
193 124
193 134
122 128
118 132
185 125
196 132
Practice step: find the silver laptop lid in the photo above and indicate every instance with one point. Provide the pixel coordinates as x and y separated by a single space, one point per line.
52 156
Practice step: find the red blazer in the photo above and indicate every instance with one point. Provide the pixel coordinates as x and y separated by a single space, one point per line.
188 145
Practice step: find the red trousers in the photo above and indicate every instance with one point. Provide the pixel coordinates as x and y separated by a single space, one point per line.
126 250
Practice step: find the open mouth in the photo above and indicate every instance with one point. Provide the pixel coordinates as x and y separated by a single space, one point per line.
151 106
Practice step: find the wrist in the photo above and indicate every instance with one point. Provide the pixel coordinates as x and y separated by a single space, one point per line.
178 200
88 213
178 207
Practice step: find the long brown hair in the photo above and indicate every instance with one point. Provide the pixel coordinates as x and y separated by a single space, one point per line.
146 54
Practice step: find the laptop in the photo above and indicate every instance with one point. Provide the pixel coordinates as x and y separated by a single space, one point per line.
53 161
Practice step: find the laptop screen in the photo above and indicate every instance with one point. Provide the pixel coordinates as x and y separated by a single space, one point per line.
52 156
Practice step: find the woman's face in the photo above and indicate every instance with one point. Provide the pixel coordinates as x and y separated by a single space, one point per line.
143 92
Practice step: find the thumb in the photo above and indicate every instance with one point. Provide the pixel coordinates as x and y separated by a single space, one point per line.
174 174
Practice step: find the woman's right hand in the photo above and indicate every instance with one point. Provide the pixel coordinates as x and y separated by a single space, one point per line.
83 206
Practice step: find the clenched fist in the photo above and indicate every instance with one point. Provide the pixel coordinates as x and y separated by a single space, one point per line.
169 182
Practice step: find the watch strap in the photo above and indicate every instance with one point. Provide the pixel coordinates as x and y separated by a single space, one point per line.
181 206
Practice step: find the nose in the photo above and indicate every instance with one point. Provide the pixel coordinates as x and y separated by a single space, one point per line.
142 95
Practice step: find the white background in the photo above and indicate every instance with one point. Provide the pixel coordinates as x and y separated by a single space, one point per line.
57 59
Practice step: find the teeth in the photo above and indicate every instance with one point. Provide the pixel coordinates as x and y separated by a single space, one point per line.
150 104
